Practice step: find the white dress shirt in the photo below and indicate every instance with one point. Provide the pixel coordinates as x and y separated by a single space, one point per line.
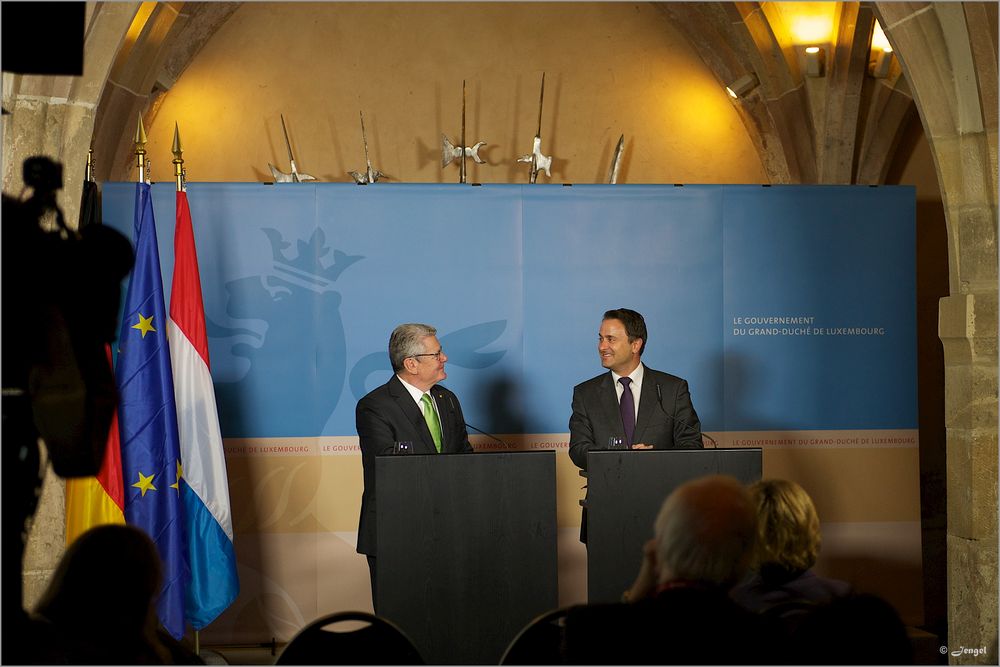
416 394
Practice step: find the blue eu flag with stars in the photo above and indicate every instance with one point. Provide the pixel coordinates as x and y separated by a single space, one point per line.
147 418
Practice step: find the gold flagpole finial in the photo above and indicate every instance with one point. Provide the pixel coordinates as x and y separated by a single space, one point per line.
140 149
178 160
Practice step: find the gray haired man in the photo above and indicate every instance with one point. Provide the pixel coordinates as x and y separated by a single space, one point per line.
412 407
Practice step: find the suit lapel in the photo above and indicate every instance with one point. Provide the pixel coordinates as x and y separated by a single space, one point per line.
413 413
648 404
446 417
609 404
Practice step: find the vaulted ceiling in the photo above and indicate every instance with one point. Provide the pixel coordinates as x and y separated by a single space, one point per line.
841 127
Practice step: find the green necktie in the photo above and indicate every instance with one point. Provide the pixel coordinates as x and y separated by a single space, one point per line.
431 417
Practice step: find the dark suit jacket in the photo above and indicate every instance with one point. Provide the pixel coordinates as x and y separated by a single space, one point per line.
389 414
777 589
666 419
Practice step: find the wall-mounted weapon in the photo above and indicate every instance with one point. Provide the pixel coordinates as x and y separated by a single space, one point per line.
616 161
371 175
295 176
538 161
450 152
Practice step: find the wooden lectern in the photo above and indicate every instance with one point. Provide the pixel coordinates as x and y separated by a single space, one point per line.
625 490
466 549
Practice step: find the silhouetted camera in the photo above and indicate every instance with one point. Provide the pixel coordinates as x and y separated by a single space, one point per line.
42 174
62 289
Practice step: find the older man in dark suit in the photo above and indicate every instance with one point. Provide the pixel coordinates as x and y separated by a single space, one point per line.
646 408
411 407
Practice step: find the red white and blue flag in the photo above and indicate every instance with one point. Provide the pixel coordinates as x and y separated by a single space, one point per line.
208 524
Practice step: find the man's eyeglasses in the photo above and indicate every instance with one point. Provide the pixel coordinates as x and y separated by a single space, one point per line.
436 355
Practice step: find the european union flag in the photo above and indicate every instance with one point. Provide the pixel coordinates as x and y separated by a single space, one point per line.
147 417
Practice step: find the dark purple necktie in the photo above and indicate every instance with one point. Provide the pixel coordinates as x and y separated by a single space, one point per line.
627 407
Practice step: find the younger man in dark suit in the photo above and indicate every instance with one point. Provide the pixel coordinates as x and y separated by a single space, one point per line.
646 408
411 406
660 414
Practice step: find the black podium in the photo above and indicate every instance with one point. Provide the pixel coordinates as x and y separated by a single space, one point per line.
466 549
625 490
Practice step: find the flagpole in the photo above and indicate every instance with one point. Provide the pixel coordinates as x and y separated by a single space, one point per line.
178 163
140 149
178 160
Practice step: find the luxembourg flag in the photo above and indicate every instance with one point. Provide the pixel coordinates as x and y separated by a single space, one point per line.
205 487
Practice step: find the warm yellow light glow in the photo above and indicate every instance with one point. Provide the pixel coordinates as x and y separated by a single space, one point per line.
808 22
879 40
704 113
139 22
731 93
812 49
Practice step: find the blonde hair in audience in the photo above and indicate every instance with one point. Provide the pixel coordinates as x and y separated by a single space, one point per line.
787 525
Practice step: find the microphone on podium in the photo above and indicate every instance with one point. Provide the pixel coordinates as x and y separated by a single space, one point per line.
477 430
659 400
489 435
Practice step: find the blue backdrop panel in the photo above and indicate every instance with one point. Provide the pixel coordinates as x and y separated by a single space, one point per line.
840 260
303 284
588 249
446 255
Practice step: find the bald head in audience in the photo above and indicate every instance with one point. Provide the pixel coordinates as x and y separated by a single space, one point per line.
679 610
705 532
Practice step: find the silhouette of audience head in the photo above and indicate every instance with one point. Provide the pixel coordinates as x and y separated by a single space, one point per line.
101 598
788 536
705 532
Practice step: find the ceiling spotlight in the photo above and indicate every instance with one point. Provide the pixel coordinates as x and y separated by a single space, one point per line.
879 41
883 61
815 60
742 85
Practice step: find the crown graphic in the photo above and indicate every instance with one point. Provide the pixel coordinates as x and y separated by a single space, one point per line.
307 268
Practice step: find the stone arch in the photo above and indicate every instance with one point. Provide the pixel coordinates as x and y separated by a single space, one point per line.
948 53
843 127
144 69
734 39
